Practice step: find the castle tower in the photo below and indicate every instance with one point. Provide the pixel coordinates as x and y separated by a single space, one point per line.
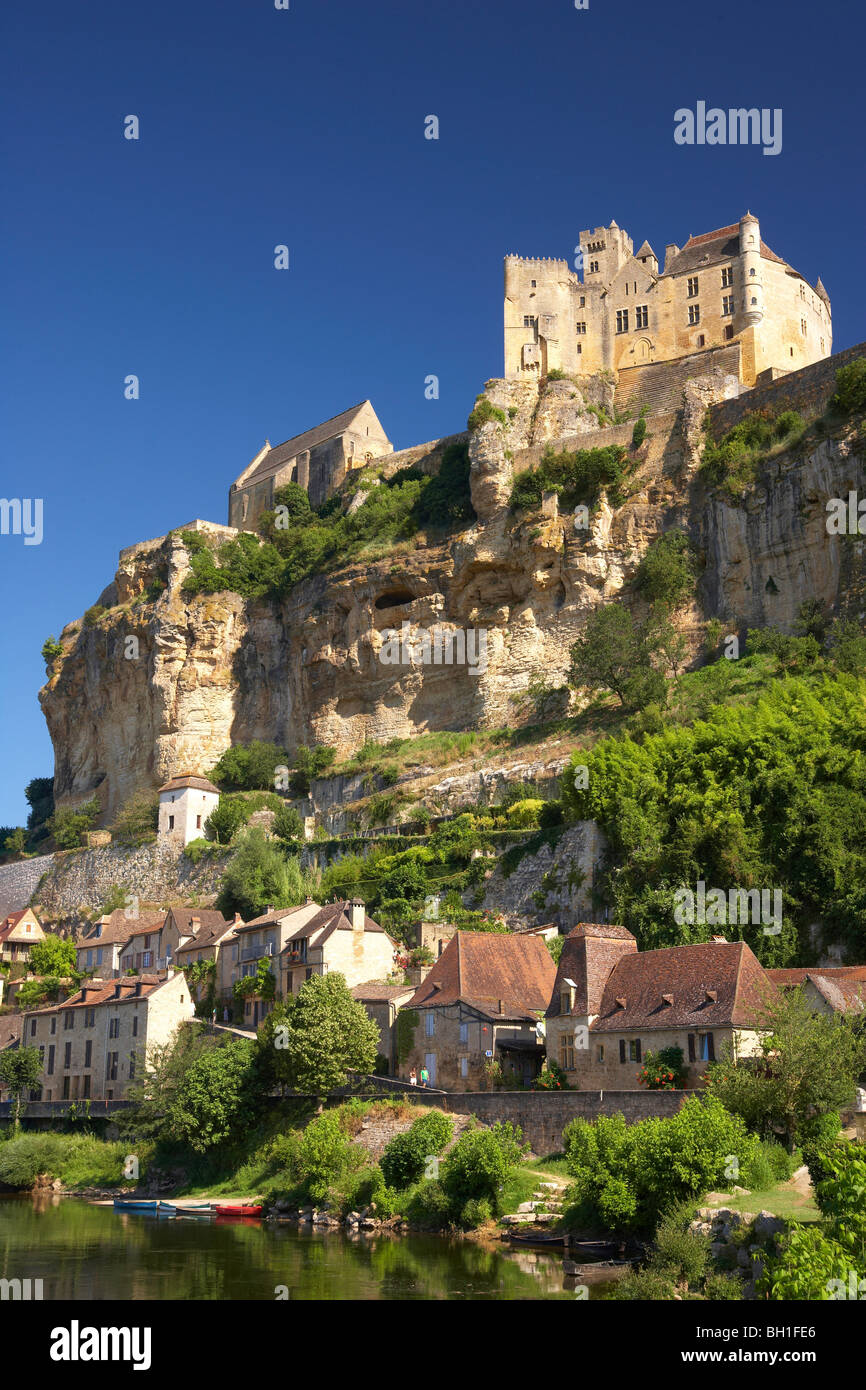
752 290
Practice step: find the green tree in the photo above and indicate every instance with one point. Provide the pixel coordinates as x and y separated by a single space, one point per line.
154 1091
20 1071
295 504
310 763
666 573
53 956
250 767
69 827
288 825
138 819
613 654
809 1066
329 1035
39 795
273 1060
226 819
258 876
218 1096
16 842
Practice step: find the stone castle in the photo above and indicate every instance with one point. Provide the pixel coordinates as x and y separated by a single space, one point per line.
724 304
722 289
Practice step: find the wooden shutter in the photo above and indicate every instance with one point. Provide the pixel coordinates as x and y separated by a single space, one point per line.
691 1047
622 1049
638 1050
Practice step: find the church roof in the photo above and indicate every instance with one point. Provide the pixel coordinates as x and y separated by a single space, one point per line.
280 454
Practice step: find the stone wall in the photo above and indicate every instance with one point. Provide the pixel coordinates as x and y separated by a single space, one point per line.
565 873
18 882
660 384
807 390
543 1115
80 880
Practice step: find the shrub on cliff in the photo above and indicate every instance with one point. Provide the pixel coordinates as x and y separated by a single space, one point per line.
406 1157
248 767
137 820
576 477
482 412
735 459
69 827
850 394
666 574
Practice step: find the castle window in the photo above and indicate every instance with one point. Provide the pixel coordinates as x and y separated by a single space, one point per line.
622 320
580 327
529 321
802 291
580 348
533 283
752 271
582 301
729 330
593 266
701 340
822 345
692 286
641 316
803 327
694 313
566 1052
727 276
727 303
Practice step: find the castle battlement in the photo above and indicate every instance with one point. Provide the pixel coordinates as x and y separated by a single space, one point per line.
722 289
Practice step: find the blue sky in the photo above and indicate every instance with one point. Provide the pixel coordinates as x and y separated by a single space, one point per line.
306 127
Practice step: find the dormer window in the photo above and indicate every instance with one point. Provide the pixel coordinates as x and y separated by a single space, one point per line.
620 1001
668 999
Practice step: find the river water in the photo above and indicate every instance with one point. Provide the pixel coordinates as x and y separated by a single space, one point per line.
88 1252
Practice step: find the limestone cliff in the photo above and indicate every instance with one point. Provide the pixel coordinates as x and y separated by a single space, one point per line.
208 671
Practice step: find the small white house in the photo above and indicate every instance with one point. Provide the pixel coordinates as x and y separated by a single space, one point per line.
184 805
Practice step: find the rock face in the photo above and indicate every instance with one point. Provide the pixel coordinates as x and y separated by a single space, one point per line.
161 683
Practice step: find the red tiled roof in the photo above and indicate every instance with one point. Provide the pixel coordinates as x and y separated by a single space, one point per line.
373 992
589 953
118 928
843 986
711 984
486 969
200 784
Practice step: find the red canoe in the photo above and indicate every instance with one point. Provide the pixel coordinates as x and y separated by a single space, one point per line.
236 1209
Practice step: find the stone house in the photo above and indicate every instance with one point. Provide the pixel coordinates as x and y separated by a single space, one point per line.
19 933
100 946
185 803
309 940
724 290
829 989
482 1002
317 460
204 935
611 1005
383 1003
95 1043
151 943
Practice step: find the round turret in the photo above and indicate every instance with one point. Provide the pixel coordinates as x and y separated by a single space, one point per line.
752 289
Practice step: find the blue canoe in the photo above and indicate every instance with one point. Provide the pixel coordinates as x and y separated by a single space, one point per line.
156 1207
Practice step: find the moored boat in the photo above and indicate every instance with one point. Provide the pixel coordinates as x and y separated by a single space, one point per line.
237 1209
155 1205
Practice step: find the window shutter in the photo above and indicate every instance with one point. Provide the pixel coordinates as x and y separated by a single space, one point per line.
622 1049
638 1050
711 1047
691 1047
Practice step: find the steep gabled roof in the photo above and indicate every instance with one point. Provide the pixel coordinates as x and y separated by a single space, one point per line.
707 985
712 247
117 928
280 454
187 779
483 969
204 927
612 941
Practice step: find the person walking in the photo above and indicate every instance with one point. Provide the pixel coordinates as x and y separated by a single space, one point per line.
425 1076
413 1077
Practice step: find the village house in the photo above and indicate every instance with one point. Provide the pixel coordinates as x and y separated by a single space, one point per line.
204 935
611 1005
94 1044
481 1003
151 944
828 989
99 948
185 803
19 933
383 1003
305 941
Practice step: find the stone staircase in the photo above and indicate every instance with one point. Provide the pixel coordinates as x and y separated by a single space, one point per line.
544 1207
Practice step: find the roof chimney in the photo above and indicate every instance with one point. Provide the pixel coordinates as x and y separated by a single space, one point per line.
356 914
